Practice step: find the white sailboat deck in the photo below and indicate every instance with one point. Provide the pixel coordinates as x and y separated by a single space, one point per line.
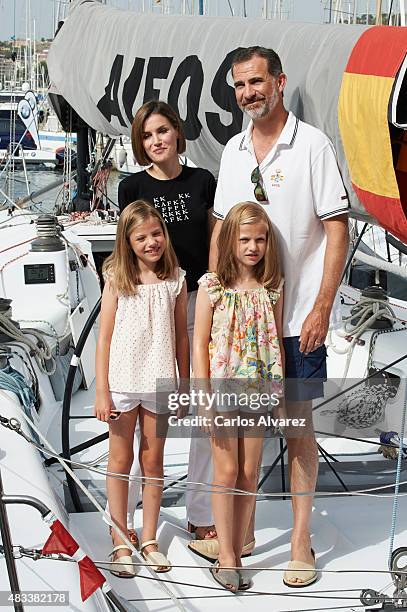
347 534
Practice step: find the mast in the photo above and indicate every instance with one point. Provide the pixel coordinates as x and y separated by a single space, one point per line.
378 12
34 83
402 13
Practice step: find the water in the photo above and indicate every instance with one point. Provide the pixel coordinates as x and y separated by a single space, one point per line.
39 178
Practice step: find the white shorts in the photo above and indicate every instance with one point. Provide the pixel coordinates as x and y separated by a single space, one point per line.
125 402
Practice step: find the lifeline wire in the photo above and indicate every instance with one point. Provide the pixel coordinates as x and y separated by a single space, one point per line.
36 554
94 501
397 481
153 577
221 489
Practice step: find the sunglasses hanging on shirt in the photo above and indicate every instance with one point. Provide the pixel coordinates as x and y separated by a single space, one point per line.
259 192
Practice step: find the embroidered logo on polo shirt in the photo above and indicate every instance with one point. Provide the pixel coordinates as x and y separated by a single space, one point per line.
277 178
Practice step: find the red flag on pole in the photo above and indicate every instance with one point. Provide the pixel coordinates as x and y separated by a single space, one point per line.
61 541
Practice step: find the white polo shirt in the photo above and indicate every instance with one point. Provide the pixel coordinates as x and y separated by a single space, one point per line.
301 178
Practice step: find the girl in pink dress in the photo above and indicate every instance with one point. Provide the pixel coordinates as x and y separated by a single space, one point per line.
238 346
142 338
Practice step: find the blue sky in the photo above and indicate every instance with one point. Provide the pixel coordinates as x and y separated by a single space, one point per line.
43 11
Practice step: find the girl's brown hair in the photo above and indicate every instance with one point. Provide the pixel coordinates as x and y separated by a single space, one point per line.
267 271
154 107
121 268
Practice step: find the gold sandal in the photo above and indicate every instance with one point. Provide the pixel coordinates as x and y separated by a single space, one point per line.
123 567
156 559
209 548
307 573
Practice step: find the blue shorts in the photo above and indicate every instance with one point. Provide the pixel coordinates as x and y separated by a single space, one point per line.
304 374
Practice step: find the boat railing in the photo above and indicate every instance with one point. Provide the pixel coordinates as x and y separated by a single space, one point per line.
68 451
7 543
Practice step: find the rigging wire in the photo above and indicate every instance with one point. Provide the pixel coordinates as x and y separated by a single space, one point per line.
36 554
89 495
397 481
214 489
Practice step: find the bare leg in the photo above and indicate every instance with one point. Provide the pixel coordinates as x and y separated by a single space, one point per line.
121 435
250 449
250 530
151 463
225 470
303 471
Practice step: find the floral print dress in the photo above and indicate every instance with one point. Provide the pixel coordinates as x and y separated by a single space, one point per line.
244 341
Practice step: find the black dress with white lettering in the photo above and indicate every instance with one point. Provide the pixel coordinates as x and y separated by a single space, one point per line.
183 203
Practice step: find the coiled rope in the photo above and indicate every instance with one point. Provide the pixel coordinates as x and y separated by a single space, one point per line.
39 349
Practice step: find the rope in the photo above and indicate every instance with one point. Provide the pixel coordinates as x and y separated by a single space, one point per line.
368 310
8 353
11 380
13 246
364 406
39 349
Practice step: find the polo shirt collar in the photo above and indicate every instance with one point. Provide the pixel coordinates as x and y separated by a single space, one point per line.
286 137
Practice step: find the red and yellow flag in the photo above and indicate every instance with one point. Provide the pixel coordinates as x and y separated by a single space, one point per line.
363 122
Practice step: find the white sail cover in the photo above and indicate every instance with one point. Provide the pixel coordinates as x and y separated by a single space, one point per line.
106 63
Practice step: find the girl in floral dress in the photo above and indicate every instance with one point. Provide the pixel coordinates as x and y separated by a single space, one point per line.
239 317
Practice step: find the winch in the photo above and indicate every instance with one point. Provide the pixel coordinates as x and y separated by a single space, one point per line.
398 601
373 299
44 281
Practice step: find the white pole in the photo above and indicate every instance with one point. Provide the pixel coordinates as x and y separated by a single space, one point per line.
402 13
355 6
335 9
378 12
26 41
31 42
34 68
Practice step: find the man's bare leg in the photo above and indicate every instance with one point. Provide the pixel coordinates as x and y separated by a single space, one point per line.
303 472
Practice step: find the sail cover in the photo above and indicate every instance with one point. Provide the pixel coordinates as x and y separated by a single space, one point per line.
106 63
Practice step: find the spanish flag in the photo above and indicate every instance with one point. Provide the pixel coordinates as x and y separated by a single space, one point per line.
378 173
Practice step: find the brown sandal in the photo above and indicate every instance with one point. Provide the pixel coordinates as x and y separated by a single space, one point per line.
133 537
210 528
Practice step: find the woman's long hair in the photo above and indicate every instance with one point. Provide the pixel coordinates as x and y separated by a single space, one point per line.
154 107
121 268
267 271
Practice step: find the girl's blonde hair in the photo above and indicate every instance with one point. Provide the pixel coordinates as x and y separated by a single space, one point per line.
267 271
122 267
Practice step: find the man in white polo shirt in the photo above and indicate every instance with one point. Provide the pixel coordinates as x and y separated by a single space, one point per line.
290 168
